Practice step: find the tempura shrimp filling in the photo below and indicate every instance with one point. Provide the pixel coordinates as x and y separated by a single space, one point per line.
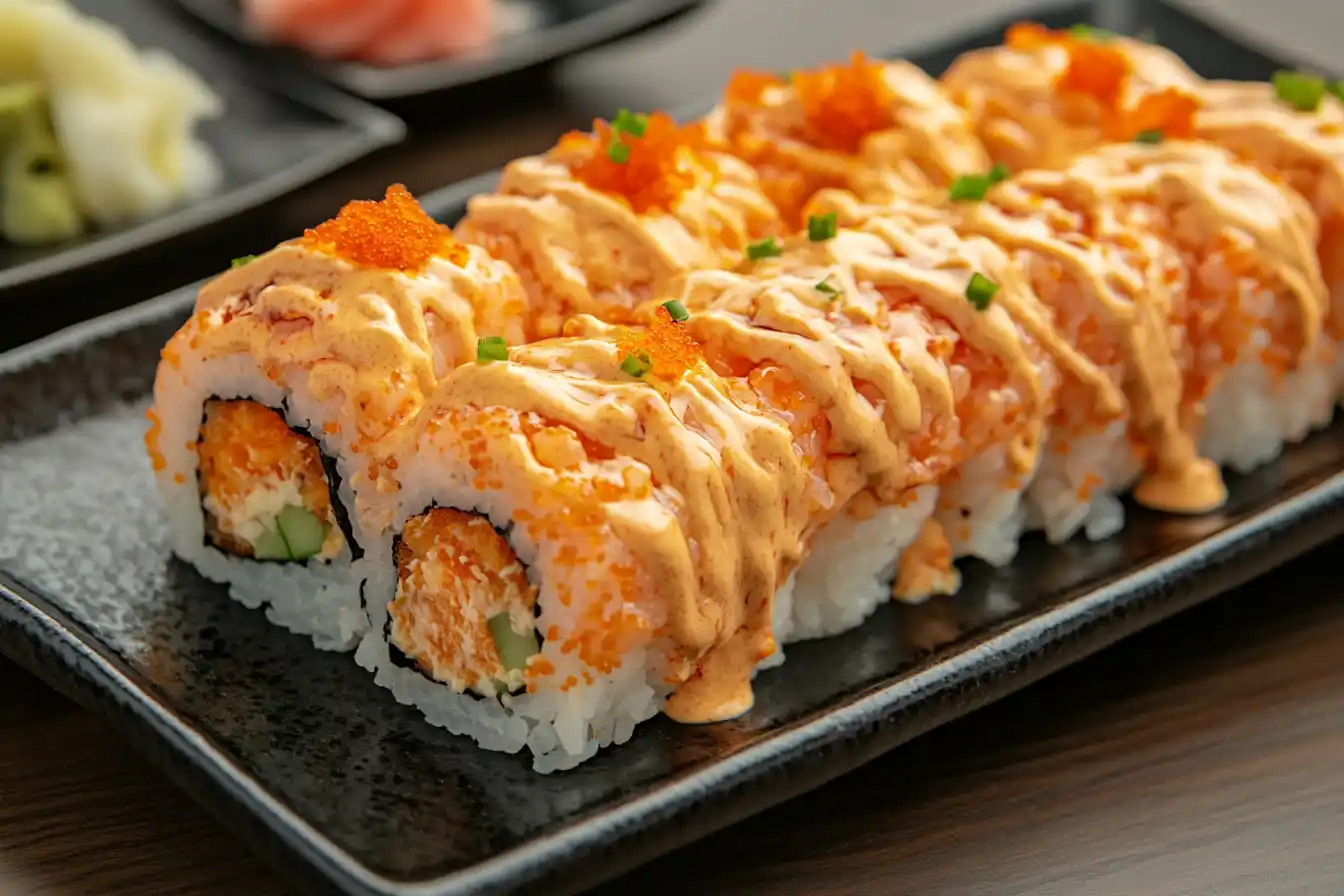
265 489
464 612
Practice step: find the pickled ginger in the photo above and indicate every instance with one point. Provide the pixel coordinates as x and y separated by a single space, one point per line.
123 121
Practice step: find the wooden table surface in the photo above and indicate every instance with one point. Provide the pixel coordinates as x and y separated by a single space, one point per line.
1203 757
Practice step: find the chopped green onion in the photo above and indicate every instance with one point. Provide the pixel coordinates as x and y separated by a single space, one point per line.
766 248
980 291
1336 88
999 172
1083 31
637 364
970 186
1301 91
618 152
677 310
826 289
627 122
492 348
246 259
1150 137
821 228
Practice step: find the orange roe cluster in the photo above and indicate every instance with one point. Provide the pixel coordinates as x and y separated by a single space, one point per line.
1095 69
746 87
393 233
652 176
845 103
670 349
1170 111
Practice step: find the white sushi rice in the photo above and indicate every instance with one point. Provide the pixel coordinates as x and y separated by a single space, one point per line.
1079 489
317 598
560 728
982 514
1254 412
849 569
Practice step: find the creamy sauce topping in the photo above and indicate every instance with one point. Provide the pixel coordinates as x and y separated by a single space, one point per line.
726 522
877 128
580 249
375 340
1043 97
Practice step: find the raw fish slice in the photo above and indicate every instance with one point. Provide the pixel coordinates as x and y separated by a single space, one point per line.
428 29
332 28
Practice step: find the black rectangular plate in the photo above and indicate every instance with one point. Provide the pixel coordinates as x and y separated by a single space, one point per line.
558 29
326 775
275 135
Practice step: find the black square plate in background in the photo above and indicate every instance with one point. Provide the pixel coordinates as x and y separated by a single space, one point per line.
275 135
539 32
326 775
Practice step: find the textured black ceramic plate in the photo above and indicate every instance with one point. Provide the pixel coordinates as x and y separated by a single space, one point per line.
275 135
533 33
325 774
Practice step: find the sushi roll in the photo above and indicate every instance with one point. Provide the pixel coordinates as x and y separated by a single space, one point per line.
589 530
1255 366
279 403
1044 96
1293 130
919 387
875 128
611 221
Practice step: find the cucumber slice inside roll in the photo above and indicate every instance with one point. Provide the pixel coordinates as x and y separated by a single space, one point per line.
302 531
295 534
514 649
270 545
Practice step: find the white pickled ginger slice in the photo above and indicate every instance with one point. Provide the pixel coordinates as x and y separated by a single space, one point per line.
125 119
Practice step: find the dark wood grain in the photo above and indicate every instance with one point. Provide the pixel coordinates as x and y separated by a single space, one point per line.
1203 757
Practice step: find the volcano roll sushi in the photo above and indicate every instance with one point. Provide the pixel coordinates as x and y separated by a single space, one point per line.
589 530
676 395
278 403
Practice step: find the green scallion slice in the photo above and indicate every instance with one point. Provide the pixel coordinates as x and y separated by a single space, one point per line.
1336 89
637 364
999 172
980 291
246 259
1083 31
969 187
821 228
1150 137
828 289
1302 91
618 152
627 122
677 310
766 248
492 348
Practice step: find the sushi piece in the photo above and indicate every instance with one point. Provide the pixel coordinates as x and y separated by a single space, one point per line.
382 33
124 123
1044 96
1255 368
611 221
590 530
1293 131
903 385
876 128
279 405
